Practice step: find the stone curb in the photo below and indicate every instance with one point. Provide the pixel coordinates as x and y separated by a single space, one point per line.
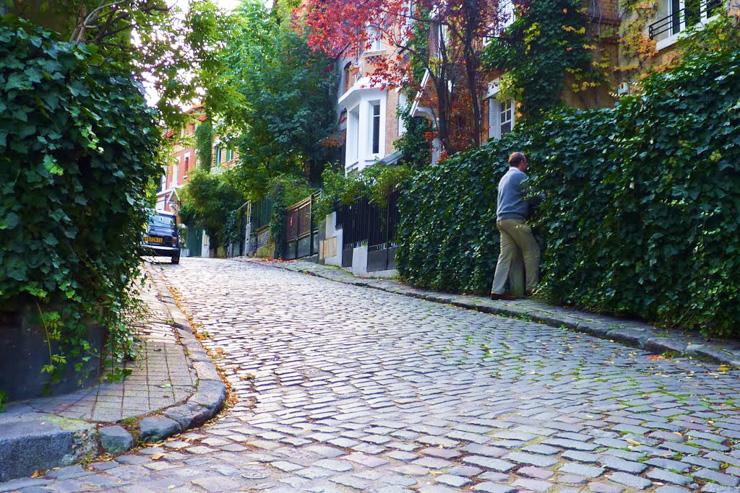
210 393
634 334
44 441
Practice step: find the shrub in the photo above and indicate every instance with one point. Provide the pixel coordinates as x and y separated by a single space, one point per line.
207 202
641 210
77 149
375 183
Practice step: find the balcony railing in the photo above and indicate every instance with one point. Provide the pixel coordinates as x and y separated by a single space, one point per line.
691 13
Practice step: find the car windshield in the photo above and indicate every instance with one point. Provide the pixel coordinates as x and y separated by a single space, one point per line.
161 222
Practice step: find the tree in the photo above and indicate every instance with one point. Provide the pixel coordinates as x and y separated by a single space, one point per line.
151 38
443 38
268 93
206 200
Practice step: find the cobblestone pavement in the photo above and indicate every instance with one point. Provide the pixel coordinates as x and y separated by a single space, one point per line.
344 388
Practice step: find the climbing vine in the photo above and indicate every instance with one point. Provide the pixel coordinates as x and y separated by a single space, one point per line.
641 53
204 144
78 149
546 46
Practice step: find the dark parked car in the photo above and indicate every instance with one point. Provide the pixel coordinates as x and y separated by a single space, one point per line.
161 238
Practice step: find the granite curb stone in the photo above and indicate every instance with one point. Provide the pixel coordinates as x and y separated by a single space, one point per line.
115 439
43 441
636 334
26 446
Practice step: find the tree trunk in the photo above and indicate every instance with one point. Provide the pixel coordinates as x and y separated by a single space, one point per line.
472 23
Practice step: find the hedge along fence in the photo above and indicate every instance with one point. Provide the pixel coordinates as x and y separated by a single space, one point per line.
641 210
77 149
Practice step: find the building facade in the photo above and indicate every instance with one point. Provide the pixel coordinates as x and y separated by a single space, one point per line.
367 110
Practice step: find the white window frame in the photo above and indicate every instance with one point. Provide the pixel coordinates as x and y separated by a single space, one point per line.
674 37
403 103
496 108
373 117
375 36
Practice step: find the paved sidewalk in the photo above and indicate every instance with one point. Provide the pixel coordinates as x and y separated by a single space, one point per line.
64 429
630 332
160 377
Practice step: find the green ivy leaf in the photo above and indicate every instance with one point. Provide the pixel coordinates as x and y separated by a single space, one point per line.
51 165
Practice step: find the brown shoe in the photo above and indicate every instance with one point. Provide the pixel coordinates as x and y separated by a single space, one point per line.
502 296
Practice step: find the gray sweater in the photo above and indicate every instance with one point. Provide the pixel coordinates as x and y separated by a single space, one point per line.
511 203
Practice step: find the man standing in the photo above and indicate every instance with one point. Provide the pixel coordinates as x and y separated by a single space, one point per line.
511 213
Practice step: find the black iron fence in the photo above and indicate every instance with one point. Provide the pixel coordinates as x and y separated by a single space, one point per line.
363 222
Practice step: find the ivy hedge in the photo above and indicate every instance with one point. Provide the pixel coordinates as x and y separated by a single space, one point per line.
77 150
641 208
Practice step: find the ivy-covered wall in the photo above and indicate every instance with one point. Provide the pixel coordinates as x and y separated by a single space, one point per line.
641 209
78 147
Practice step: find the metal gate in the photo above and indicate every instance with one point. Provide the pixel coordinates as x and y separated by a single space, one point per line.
194 242
365 222
301 235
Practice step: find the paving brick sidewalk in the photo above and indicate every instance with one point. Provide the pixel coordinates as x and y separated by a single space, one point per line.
160 377
633 333
65 429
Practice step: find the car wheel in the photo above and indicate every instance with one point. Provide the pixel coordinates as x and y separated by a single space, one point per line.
175 260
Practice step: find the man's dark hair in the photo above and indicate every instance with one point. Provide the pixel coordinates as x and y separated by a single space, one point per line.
516 158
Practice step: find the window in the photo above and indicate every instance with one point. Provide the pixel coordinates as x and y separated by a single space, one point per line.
375 127
229 155
674 16
218 154
402 106
187 166
506 14
500 113
374 37
506 17
506 114
175 169
353 136
347 76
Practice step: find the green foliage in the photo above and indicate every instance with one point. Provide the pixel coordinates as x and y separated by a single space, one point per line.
375 183
414 143
273 95
284 191
207 201
204 144
77 150
546 41
641 207
160 53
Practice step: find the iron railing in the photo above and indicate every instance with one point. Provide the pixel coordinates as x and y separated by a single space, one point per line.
692 13
363 221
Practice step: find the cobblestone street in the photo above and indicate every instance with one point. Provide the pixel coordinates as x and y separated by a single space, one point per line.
344 388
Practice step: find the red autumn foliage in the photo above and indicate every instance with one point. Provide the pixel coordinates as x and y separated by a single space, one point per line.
456 31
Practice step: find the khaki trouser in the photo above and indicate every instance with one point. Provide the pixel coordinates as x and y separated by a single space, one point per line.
517 244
